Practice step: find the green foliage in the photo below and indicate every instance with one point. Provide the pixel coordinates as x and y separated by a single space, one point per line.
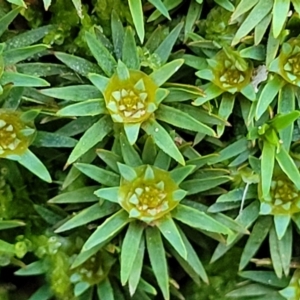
149 149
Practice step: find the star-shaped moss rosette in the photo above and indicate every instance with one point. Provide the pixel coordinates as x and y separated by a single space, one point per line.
260 14
15 50
131 98
228 74
17 132
146 197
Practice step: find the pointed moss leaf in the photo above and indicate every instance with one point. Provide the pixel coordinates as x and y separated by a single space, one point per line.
83 256
80 288
160 95
281 223
105 290
206 74
237 194
275 253
249 92
130 155
193 15
7 247
73 93
137 14
254 52
117 34
267 95
265 277
242 8
280 11
7 19
34 165
159 5
149 152
110 158
41 69
169 4
201 161
146 287
14 56
98 174
102 55
107 230
161 75
130 248
99 81
194 186
282 121
18 79
47 4
198 219
180 173
267 167
110 194
285 249
181 119
43 293
127 172
35 268
258 234
225 4
47 214
50 139
288 166
78 6
95 134
82 195
170 231
132 131
158 260
165 48
6 224
90 214
255 16
163 139
91 107
122 71
162 160
78 64
137 267
129 51
255 290
211 92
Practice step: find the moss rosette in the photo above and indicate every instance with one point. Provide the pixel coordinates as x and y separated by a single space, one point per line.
283 198
289 61
150 195
15 135
130 100
231 73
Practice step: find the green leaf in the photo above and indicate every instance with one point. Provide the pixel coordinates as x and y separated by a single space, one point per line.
18 79
280 12
158 260
34 165
162 139
130 55
78 7
159 5
132 132
91 107
161 75
88 215
102 55
47 214
198 219
91 137
43 293
14 56
130 155
267 95
257 236
110 158
165 48
55 140
107 230
254 290
180 173
170 231
117 34
211 92
47 4
225 4
255 16
78 64
162 160
105 290
73 93
110 194
8 18
137 267
288 166
281 223
81 195
149 152
7 224
130 248
35 268
137 14
267 167
100 175
181 119
6 247
127 172
242 8
192 16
